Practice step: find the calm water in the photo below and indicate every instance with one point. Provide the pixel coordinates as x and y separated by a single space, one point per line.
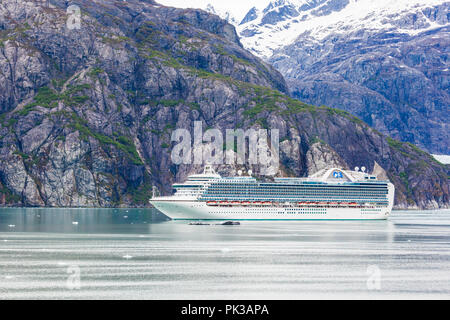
136 254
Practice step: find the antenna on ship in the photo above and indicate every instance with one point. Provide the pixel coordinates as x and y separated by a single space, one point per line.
356 169
250 172
239 172
155 192
363 169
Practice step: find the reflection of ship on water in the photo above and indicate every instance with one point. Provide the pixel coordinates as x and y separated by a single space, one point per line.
332 194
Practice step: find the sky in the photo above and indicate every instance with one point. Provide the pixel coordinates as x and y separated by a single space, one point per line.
237 8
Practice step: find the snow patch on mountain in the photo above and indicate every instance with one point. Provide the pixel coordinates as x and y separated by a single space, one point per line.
445 159
265 30
226 15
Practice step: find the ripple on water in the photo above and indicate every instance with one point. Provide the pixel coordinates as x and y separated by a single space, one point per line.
45 254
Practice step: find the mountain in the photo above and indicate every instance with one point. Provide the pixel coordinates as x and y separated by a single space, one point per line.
386 62
87 114
266 29
227 15
251 15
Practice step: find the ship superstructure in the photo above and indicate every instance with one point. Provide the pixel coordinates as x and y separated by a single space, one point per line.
331 194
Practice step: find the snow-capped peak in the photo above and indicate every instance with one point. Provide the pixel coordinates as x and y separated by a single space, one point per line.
226 15
278 3
251 15
282 21
210 8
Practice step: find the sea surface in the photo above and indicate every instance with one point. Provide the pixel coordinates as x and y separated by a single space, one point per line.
140 254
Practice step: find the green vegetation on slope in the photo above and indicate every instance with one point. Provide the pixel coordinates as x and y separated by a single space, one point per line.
48 98
122 143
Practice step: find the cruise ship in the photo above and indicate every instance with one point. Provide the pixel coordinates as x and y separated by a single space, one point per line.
332 194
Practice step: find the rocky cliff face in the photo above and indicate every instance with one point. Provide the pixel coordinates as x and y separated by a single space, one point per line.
87 114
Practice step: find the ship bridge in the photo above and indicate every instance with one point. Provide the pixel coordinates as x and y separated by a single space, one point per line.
196 183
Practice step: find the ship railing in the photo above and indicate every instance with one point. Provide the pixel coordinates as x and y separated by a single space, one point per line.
301 204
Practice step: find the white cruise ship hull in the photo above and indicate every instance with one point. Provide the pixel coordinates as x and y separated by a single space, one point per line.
196 210
333 195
